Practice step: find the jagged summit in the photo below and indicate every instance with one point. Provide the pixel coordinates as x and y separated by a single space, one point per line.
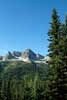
27 56
28 53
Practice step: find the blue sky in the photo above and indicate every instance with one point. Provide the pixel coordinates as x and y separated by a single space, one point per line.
25 23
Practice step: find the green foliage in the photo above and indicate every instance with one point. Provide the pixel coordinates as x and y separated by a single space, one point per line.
57 83
22 81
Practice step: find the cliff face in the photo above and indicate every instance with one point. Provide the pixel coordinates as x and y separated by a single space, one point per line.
28 53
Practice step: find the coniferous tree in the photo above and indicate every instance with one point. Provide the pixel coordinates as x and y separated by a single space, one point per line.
62 71
65 53
58 53
54 37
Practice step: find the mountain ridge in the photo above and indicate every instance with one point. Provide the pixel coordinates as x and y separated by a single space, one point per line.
27 56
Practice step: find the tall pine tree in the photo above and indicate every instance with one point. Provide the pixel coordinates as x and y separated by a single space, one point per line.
57 52
62 70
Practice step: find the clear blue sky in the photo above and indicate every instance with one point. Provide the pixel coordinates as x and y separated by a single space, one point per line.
25 23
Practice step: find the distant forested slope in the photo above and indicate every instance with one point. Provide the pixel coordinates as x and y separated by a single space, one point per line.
22 81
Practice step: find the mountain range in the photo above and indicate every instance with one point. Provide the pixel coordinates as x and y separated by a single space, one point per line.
27 56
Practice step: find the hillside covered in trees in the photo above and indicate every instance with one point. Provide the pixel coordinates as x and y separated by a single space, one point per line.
22 81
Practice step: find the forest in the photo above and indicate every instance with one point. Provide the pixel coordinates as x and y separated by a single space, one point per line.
31 81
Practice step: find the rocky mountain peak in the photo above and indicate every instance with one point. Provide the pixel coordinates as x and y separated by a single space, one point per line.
28 56
28 53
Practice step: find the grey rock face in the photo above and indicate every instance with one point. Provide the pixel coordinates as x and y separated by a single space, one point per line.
28 53
39 56
1 57
16 53
9 55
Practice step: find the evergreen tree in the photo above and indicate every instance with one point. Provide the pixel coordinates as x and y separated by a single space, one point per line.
65 53
54 34
62 71
58 53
